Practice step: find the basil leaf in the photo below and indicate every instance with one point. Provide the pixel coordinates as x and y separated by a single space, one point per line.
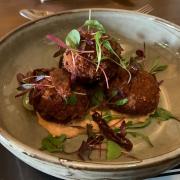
95 24
162 114
71 100
53 144
98 97
144 137
97 37
113 150
121 102
73 38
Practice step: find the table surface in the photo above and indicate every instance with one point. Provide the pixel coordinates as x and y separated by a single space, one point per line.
10 19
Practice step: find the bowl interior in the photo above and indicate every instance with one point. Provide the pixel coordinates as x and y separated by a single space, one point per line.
27 48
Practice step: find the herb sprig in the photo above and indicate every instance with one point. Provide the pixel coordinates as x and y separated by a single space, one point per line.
163 114
53 144
73 39
157 67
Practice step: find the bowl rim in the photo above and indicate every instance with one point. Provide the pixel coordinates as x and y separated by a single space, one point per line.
8 139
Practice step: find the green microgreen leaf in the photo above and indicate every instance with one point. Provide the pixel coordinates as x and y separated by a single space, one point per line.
53 144
108 46
121 102
131 125
97 37
162 114
157 67
122 62
95 25
107 116
26 103
116 130
144 137
71 100
113 150
73 39
114 93
98 97
126 61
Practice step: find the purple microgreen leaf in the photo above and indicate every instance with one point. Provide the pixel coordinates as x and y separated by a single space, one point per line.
160 82
57 53
20 77
27 86
140 53
84 151
86 147
144 48
122 129
40 77
110 134
89 42
22 93
57 40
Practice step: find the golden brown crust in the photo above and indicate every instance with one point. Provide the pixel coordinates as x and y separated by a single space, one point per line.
142 92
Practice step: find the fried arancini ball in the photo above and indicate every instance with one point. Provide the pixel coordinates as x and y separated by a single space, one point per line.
142 92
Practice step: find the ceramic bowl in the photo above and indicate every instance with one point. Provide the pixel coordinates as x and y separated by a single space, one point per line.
26 48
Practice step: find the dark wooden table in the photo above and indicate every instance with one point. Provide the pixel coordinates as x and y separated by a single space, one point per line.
10 18
11 167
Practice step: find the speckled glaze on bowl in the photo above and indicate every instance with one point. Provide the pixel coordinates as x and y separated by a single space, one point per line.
26 48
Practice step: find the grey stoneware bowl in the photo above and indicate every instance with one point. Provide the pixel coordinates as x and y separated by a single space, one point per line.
26 48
